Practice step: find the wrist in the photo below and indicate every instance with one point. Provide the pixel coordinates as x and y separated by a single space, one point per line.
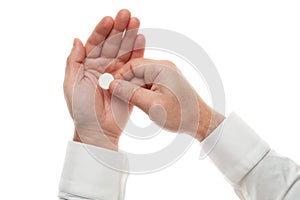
209 120
107 142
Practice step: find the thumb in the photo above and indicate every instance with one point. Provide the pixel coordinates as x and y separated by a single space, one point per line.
77 54
133 94
74 61
78 51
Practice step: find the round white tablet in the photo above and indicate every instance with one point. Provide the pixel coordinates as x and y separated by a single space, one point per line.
105 79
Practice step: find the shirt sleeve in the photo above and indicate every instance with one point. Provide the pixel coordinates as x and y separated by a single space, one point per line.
86 174
247 162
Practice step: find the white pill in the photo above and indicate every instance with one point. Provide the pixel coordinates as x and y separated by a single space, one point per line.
105 79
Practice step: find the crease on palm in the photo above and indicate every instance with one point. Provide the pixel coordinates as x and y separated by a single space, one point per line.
93 105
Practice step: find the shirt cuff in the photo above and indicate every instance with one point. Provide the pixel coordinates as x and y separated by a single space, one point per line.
85 175
234 148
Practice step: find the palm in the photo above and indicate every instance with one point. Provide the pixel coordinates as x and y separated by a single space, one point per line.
95 111
115 113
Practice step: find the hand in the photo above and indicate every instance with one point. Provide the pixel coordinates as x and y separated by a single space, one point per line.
161 91
90 106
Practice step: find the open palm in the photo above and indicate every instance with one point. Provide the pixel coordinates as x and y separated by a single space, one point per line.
100 118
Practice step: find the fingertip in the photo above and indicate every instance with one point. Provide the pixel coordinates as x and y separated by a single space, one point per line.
105 25
122 20
118 75
78 51
113 85
74 43
124 12
135 22
107 22
77 43
107 19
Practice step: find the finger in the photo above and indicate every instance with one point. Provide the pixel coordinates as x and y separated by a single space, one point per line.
112 44
96 40
138 81
127 68
139 47
75 59
137 68
128 40
74 63
133 94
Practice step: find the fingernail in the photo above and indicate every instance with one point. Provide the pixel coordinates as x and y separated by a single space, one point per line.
117 87
74 43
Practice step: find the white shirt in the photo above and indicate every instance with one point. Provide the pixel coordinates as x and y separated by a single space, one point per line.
245 160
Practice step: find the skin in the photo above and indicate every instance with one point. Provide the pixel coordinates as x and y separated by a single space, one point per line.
161 91
157 87
106 50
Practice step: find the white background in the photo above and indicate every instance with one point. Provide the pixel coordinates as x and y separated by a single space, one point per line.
254 44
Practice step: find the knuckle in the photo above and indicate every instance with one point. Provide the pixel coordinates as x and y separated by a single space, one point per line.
168 63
